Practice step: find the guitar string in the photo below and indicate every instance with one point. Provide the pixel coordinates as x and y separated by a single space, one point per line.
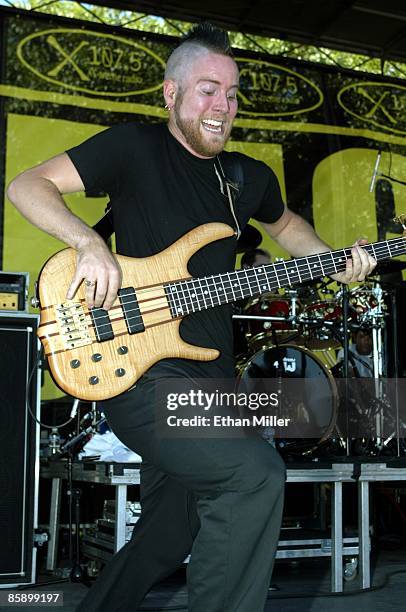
278 268
268 270
264 270
188 299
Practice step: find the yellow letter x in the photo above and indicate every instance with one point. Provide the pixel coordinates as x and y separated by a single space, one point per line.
68 58
377 104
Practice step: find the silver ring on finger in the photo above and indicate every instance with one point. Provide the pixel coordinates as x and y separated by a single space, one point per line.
90 283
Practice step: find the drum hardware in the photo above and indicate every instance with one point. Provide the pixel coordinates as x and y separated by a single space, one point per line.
323 327
275 319
389 277
365 409
318 330
270 320
369 304
345 343
375 315
396 365
54 442
263 318
321 318
325 291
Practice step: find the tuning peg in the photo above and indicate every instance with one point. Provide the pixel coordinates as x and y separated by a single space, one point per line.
401 219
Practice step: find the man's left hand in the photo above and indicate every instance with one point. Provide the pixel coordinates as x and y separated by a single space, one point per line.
358 267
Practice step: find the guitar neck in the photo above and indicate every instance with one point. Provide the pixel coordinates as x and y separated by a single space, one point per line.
197 294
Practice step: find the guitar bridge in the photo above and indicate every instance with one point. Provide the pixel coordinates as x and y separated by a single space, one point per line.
73 327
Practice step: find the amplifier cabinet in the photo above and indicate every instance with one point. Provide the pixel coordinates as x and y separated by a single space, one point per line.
19 447
14 290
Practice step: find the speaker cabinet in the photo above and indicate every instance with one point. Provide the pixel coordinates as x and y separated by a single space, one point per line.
19 447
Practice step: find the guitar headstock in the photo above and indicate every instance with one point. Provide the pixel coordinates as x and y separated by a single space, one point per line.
401 219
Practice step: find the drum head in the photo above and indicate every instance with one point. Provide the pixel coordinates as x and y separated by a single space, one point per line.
311 401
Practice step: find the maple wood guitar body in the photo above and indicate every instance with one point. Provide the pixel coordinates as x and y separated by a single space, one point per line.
99 370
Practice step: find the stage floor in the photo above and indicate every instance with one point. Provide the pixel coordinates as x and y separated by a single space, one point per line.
303 586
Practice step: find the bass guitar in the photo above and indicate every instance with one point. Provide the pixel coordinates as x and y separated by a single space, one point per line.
97 354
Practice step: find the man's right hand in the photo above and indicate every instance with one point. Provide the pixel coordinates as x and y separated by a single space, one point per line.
98 269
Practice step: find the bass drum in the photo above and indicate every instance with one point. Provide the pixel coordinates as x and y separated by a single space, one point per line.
311 401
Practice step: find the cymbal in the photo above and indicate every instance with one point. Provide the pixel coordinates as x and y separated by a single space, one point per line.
250 238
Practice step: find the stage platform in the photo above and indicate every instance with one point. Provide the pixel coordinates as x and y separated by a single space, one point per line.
303 586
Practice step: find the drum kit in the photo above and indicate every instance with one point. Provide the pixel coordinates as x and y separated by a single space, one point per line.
295 334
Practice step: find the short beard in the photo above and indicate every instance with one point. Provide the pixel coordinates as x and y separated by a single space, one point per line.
192 134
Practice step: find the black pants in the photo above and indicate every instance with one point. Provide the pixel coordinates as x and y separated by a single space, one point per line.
219 499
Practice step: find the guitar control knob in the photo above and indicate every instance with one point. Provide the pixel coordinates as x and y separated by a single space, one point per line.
120 372
122 350
93 380
97 357
75 363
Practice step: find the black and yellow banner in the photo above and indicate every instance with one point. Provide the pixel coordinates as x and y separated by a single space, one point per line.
319 128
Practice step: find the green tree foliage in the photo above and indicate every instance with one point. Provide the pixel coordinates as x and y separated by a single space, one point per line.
159 25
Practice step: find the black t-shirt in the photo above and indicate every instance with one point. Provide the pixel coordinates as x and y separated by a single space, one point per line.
159 191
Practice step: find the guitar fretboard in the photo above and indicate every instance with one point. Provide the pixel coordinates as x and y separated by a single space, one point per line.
196 294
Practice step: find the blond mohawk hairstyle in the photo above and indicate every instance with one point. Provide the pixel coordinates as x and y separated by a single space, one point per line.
203 38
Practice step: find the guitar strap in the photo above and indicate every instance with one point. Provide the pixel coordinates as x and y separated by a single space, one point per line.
231 179
231 184
105 226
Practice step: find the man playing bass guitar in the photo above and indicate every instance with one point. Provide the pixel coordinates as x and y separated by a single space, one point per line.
219 499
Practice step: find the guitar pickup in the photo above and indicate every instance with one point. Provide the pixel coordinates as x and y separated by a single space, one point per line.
72 323
102 324
131 310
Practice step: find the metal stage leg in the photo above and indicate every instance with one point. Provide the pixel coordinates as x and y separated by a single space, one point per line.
337 538
120 530
363 533
54 510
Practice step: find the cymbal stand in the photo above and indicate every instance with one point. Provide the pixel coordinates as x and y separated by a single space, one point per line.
396 366
377 324
377 319
345 341
292 294
381 369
